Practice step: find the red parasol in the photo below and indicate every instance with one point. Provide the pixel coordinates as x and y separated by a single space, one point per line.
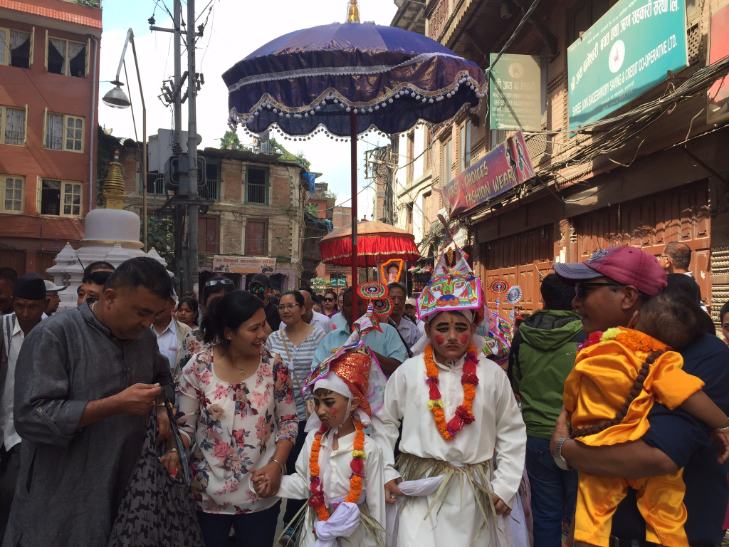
377 242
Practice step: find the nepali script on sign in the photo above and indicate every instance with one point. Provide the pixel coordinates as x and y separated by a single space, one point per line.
243 264
502 168
625 53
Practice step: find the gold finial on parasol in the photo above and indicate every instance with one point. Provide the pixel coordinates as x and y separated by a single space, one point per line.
114 185
352 12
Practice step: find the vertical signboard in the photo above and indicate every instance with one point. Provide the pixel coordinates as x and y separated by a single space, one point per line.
627 52
718 95
515 93
501 169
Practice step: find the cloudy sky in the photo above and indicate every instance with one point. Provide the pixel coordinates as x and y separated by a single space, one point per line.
235 28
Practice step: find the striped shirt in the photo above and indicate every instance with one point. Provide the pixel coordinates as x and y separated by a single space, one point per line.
302 356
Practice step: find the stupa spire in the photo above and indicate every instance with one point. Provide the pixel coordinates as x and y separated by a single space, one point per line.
114 185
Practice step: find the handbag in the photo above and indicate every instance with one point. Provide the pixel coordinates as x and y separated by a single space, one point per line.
310 404
157 509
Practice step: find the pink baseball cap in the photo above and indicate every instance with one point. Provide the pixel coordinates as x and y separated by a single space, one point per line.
626 265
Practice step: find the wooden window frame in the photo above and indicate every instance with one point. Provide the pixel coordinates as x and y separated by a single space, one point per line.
66 60
267 194
3 112
8 30
65 128
3 178
39 198
6 61
267 225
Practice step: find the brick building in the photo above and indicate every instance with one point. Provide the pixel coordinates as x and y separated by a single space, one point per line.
257 204
667 182
49 58
336 277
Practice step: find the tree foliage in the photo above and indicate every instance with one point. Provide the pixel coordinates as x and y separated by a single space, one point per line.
161 237
231 140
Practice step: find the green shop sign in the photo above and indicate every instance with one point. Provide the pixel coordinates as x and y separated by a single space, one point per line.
627 52
516 93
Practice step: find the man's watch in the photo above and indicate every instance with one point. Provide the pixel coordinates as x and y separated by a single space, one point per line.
558 458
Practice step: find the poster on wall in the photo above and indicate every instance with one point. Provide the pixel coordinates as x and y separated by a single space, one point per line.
501 169
515 93
625 53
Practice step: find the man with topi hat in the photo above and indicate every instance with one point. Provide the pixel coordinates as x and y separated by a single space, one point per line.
609 288
29 301
85 383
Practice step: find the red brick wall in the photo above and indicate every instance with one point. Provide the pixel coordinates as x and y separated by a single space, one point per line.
42 90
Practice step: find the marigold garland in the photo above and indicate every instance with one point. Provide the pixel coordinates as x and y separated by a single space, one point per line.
316 501
469 380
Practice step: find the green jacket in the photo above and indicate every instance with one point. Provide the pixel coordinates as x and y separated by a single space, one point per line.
542 356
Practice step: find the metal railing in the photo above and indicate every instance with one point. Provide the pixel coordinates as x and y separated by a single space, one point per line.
156 183
256 193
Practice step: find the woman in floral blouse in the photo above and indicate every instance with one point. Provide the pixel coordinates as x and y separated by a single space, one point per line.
237 403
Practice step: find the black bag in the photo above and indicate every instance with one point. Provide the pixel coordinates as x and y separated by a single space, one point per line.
157 509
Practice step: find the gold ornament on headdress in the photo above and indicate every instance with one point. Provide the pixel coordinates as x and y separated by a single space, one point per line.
114 185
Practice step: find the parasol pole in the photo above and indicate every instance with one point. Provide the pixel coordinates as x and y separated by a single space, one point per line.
353 135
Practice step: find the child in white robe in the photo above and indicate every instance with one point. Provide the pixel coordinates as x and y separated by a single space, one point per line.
346 388
454 407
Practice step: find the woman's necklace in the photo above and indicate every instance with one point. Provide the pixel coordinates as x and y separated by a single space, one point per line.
241 370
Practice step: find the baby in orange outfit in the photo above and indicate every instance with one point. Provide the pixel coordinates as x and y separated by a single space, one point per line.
617 377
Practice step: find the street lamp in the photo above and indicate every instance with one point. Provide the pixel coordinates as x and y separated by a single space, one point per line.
116 98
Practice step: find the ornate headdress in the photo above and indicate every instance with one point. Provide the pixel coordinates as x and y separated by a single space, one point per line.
453 286
353 370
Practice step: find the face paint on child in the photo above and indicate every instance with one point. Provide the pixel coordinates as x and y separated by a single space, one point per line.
449 333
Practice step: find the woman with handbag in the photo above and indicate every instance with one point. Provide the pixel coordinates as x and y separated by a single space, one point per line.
237 403
296 344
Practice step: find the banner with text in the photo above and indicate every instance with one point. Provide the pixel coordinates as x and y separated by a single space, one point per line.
502 168
243 264
626 52
516 93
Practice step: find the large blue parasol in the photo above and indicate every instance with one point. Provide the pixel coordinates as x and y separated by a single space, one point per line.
347 79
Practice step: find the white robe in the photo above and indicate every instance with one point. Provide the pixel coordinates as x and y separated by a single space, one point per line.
498 423
296 486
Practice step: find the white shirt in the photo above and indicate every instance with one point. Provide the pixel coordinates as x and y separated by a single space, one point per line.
167 343
10 436
319 321
409 331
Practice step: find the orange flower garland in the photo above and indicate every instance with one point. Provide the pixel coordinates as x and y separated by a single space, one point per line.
464 412
355 482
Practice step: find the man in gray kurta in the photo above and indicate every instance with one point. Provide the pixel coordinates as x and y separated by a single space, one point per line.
85 381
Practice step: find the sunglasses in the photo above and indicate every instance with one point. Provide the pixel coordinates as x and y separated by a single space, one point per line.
580 287
328 300
258 288
216 281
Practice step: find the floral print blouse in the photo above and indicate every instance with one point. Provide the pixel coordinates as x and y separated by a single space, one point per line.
235 428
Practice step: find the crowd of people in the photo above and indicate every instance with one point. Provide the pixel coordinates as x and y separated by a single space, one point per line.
599 419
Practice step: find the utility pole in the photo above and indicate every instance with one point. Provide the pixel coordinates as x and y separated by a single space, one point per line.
192 227
180 210
182 174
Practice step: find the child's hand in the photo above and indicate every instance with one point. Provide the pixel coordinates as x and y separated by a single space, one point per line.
261 486
722 435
